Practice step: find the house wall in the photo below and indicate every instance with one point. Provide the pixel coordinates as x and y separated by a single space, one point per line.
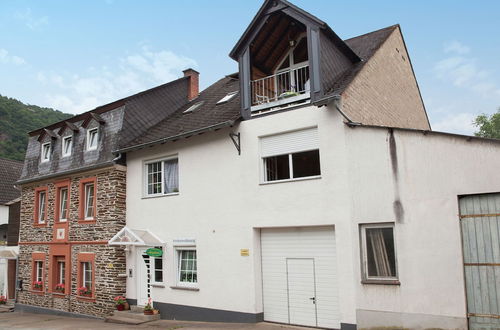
4 214
81 240
395 96
425 173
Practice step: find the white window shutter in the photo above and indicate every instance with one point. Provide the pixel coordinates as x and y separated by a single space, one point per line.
286 143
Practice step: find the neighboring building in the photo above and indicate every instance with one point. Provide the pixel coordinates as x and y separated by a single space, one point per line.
73 202
331 204
9 174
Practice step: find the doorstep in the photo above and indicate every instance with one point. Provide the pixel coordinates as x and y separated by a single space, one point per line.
133 316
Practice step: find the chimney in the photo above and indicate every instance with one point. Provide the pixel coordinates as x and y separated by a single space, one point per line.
194 88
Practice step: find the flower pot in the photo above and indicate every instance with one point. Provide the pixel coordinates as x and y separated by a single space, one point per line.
126 306
120 307
151 312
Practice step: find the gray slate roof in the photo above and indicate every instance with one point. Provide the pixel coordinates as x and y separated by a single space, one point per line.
10 170
210 114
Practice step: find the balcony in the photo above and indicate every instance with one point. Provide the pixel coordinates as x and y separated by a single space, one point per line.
287 86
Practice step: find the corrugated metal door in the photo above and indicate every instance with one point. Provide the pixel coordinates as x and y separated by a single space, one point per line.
295 262
480 222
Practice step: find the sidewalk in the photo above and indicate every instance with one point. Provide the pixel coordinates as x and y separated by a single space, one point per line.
16 320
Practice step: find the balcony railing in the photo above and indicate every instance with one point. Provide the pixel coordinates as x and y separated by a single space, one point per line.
281 88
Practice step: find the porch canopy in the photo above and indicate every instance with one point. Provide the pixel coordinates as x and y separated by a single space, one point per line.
8 254
138 237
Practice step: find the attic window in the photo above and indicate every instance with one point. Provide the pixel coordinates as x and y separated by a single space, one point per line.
194 107
229 96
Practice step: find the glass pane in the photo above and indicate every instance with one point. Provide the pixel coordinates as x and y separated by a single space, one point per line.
300 52
306 164
381 258
277 168
64 202
89 200
41 206
158 276
285 64
171 168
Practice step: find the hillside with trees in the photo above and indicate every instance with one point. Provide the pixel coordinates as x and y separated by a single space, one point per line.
489 126
17 119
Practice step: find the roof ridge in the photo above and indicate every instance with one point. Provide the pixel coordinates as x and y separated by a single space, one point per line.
375 31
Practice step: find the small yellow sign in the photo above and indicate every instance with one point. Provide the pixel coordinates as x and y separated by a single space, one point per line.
111 266
244 252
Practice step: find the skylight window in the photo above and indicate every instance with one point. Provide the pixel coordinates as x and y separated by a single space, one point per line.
194 107
229 96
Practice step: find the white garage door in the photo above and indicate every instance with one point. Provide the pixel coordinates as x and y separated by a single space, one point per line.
300 276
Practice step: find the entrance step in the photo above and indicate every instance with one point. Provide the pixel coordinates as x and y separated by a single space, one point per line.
6 308
133 316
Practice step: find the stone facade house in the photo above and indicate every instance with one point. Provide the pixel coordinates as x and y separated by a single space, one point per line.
73 202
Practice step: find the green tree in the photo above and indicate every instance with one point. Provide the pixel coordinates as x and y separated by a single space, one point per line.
489 126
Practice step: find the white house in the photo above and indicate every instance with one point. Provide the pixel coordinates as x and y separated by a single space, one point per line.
314 196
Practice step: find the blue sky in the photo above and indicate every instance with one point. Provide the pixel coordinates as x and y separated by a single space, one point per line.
76 55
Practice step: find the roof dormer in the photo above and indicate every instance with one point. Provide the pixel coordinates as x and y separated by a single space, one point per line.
285 58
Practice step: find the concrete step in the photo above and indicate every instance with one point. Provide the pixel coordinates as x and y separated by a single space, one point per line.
137 315
122 320
6 308
136 309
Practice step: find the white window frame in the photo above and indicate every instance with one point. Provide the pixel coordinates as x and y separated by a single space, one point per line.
178 252
65 209
45 152
86 201
64 143
89 134
84 274
162 161
39 271
290 168
153 268
364 254
41 205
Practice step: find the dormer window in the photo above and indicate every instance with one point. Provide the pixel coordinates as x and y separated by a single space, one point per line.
92 135
67 146
45 152
228 97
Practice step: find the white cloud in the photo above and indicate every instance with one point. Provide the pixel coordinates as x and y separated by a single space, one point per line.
129 75
456 47
461 123
33 23
6 58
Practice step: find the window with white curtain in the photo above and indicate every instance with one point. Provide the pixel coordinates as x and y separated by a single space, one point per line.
291 155
161 177
379 252
87 275
187 268
39 271
89 201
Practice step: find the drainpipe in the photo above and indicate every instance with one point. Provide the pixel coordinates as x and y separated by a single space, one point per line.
117 157
336 98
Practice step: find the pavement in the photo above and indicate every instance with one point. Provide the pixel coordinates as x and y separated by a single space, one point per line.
18 320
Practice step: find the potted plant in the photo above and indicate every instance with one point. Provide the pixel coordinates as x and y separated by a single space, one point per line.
148 309
120 302
84 291
3 300
60 288
37 285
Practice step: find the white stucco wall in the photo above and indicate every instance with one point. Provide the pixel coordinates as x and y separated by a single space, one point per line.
4 214
221 203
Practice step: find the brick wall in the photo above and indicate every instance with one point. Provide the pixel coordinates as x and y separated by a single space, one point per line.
385 92
109 260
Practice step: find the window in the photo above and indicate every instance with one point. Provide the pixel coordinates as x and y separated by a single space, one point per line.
89 201
162 177
61 272
187 268
39 271
67 145
87 275
92 135
63 204
228 97
194 107
88 198
45 152
37 274
378 251
40 205
291 155
158 267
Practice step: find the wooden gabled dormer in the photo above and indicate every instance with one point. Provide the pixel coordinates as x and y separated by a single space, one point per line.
287 57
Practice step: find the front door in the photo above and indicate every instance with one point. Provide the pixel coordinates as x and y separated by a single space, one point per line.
142 277
301 291
480 222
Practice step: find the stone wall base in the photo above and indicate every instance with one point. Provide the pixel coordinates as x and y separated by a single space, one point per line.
42 310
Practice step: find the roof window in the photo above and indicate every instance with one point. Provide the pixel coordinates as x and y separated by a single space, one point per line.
229 96
194 107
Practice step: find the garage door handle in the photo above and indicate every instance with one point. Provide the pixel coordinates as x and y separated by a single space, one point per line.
313 299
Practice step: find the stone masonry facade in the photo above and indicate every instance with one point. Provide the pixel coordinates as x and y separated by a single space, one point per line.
83 241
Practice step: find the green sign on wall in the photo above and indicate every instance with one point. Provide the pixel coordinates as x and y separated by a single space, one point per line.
154 252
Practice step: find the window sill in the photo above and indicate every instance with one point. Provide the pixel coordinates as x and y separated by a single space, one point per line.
187 288
84 298
158 285
381 282
59 295
82 221
37 291
39 225
160 195
316 177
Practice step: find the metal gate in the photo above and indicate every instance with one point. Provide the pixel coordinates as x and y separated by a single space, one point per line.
480 222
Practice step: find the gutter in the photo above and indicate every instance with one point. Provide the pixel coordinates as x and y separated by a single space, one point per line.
177 137
335 97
